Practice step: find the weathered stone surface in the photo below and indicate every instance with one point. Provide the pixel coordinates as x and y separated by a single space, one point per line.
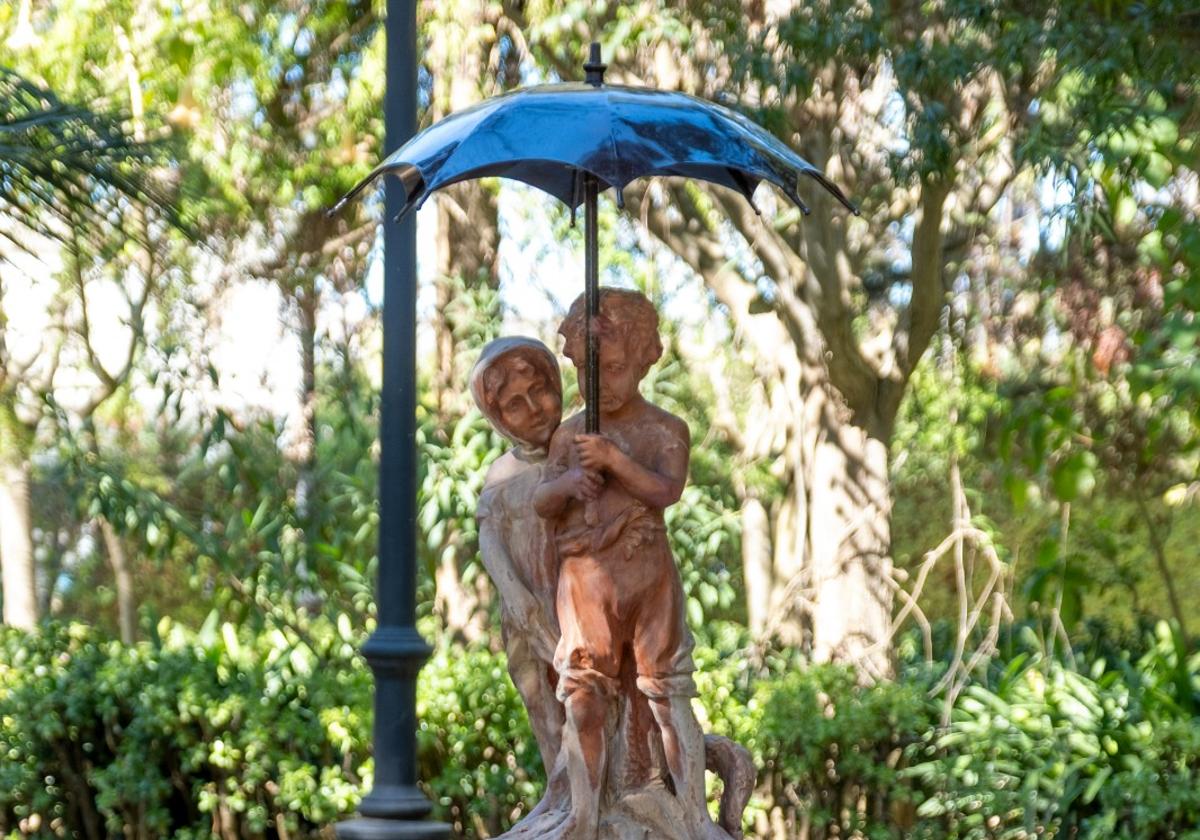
573 534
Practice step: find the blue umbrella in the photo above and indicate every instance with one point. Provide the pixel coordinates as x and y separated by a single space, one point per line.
573 140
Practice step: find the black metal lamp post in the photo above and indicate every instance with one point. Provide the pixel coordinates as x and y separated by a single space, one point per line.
395 807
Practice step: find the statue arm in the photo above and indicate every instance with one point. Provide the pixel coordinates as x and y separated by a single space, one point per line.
516 601
514 597
561 484
657 486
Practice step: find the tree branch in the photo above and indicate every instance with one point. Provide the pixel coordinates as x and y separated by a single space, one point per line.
699 247
928 288
812 299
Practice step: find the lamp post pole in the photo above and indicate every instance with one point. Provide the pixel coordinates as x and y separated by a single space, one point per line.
395 807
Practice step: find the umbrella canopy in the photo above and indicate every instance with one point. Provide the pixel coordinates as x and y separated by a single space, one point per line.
573 140
549 136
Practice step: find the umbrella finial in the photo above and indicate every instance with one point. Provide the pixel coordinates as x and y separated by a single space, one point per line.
594 68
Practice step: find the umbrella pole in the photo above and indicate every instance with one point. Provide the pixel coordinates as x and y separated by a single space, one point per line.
591 271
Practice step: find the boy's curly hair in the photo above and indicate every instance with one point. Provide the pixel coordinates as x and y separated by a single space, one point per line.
625 315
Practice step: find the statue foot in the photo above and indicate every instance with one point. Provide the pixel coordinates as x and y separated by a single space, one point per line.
708 830
573 828
557 795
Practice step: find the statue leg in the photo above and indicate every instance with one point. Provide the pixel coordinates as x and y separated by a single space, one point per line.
683 746
587 756
531 676
662 646
587 663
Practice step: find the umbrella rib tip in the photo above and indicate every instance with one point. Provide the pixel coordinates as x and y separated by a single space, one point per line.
340 204
836 191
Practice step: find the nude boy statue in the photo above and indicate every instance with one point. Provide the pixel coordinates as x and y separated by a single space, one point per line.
619 594
517 386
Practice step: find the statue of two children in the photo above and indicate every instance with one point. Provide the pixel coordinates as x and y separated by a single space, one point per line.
572 533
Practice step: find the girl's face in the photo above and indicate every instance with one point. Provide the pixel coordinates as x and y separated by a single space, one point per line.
529 407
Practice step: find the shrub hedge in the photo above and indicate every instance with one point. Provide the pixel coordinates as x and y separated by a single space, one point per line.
202 735
219 734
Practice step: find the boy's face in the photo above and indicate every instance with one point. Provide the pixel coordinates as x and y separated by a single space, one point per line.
528 406
619 376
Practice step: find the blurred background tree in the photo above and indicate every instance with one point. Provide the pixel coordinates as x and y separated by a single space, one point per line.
71 177
953 441
941 122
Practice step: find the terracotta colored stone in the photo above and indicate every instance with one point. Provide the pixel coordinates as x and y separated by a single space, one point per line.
588 515
517 386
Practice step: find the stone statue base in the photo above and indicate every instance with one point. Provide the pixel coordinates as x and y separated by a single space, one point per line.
370 828
637 802
638 815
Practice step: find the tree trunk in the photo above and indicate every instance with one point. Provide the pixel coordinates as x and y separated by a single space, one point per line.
757 564
467 243
790 598
849 550
1157 541
463 612
461 54
308 301
826 580
16 534
123 580
828 584
468 239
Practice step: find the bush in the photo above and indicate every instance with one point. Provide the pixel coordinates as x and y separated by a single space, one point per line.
219 734
1110 748
477 753
204 735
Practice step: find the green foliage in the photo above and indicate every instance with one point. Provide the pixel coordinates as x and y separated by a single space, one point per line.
1044 747
256 732
821 716
477 752
68 163
263 95
215 728
454 464
702 529
214 506
1165 372
1034 747
704 526
261 724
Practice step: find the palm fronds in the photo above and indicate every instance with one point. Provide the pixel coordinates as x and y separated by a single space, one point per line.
65 167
